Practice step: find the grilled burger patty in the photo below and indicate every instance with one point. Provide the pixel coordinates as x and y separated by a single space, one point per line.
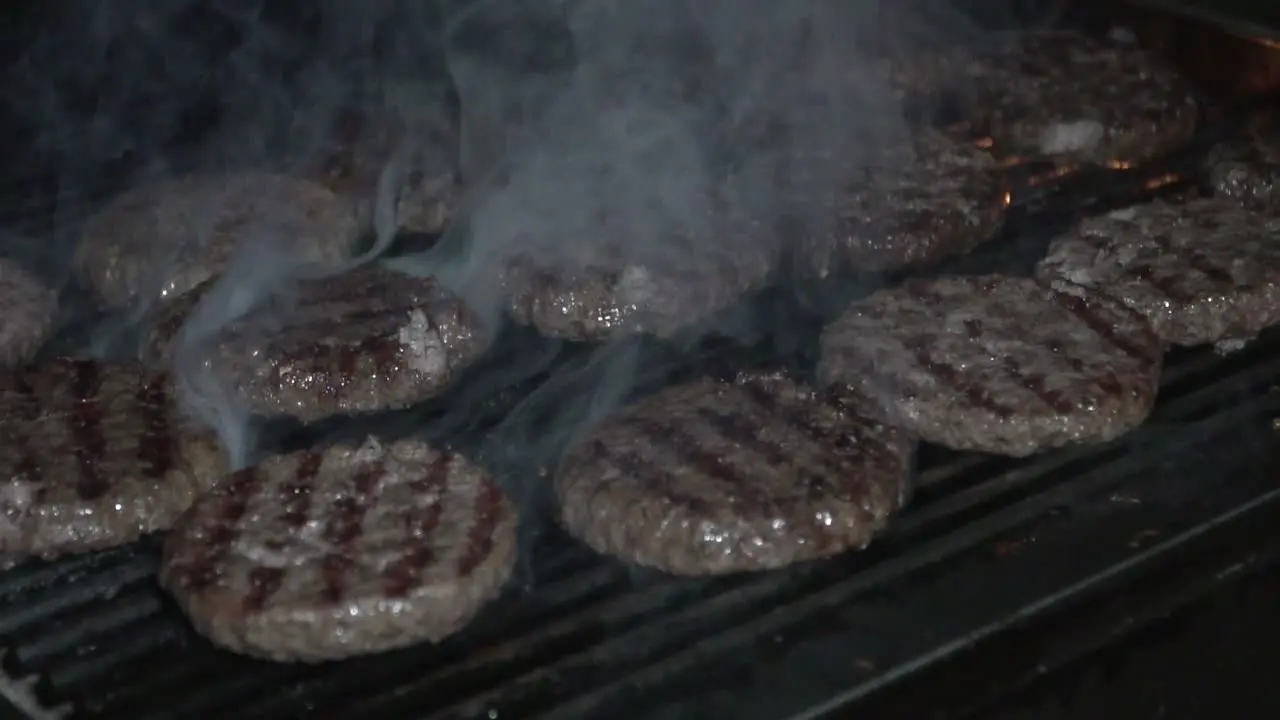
712 477
920 73
1247 169
93 455
344 551
28 307
1069 95
1201 272
169 237
363 341
617 293
997 364
935 197
364 142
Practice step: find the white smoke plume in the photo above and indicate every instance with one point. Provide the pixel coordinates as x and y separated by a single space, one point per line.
581 120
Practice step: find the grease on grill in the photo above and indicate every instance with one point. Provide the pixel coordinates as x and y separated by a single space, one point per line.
1201 272
713 477
997 364
95 455
343 551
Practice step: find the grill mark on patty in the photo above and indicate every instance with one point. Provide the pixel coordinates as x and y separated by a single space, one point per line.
400 577
948 375
1107 382
1170 287
1038 385
1195 259
1035 383
1080 308
343 529
705 463
943 372
86 430
487 512
642 470
860 442
158 444
235 496
294 497
353 308
263 583
737 429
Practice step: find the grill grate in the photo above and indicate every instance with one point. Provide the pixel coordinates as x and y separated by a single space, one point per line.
94 637
104 641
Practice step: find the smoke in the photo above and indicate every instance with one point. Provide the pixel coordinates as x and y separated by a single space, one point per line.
638 126
592 131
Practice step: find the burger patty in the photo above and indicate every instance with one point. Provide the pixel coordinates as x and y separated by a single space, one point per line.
1201 272
995 364
164 239
93 455
363 341
934 197
1067 95
344 551
365 142
920 74
29 308
1247 169
619 292
713 477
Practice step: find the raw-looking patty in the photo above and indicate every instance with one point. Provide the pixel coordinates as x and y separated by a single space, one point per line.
325 554
169 237
997 364
1069 95
364 341
617 292
1247 169
1204 271
713 477
933 198
93 455
365 142
28 308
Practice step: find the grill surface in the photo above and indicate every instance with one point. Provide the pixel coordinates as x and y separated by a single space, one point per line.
988 546
590 634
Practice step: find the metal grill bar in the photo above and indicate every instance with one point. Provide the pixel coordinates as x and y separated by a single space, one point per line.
100 635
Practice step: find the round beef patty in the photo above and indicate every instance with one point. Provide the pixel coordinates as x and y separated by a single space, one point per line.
934 197
615 291
1247 169
365 142
344 551
995 364
164 239
1203 271
713 477
364 341
93 455
1062 94
29 308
